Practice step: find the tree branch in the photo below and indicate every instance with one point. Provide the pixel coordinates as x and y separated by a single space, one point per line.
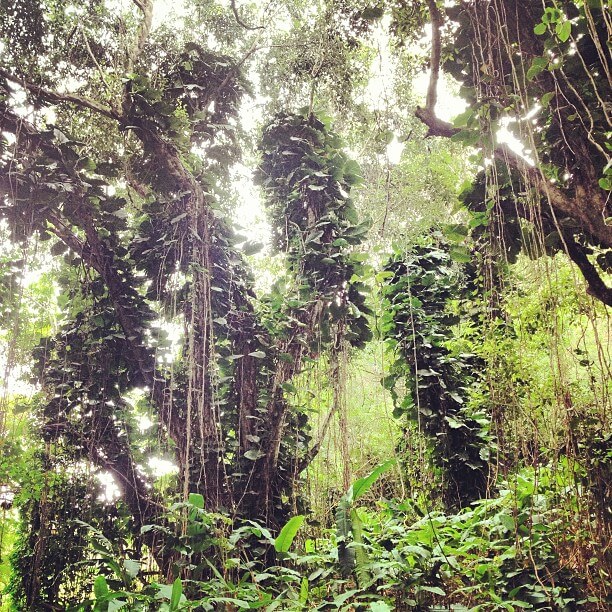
53 96
313 451
583 212
436 52
239 20
427 115
585 207
146 8
595 285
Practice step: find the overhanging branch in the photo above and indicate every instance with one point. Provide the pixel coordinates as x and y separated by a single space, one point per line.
585 206
55 97
595 285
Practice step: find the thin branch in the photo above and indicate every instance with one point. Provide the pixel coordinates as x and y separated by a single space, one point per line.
239 20
94 59
313 451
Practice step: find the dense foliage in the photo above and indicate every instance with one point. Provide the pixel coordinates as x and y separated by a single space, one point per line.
394 396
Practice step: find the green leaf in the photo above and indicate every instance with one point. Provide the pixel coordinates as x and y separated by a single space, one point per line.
363 484
100 587
540 29
340 599
289 387
507 521
352 172
469 138
464 118
432 589
304 591
132 567
175 597
460 254
379 606
258 354
254 454
283 542
455 232
551 15
537 65
546 98
563 30
197 500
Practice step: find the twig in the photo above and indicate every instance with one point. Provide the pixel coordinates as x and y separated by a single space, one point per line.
93 58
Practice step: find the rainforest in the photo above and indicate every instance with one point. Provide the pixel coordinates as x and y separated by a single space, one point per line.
305 305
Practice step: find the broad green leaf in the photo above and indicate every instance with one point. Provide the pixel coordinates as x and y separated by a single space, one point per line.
100 587
304 591
563 30
540 29
254 454
379 606
362 485
546 98
463 119
456 232
340 599
361 557
537 65
432 589
283 542
132 567
197 500
175 597
460 254
258 354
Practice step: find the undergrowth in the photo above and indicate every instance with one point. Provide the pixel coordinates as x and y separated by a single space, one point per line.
498 554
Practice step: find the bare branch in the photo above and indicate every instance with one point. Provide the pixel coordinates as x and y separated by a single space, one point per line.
94 59
54 96
313 451
427 115
437 127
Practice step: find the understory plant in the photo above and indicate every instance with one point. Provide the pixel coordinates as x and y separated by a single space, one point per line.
498 554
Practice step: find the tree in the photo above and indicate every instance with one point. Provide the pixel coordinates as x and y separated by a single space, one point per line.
419 286
123 185
545 73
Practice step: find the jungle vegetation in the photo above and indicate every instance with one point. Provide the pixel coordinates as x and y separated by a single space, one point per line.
305 305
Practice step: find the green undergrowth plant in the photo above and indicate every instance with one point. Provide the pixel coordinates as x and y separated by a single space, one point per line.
498 554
